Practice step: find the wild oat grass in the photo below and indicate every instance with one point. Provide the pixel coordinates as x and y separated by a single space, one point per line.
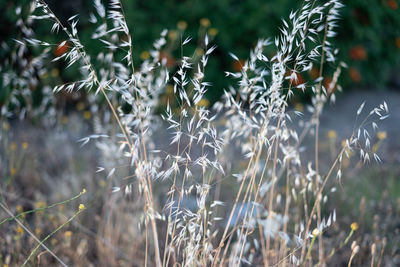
227 185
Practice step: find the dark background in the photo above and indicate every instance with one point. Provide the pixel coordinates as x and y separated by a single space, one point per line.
368 34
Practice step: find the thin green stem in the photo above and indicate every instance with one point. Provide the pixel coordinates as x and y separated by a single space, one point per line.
42 208
52 233
33 236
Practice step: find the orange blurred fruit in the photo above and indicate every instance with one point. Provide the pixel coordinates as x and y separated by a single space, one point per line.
392 4
296 81
169 60
61 48
397 41
354 74
238 65
358 53
314 73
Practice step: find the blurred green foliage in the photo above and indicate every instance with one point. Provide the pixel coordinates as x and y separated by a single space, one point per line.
368 34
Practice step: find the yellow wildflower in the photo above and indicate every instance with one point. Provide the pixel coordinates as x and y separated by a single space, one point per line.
24 145
375 148
40 204
52 217
19 208
80 106
315 232
87 115
299 107
381 135
6 126
205 22
20 230
144 55
81 207
213 31
199 51
332 134
344 143
67 233
54 72
45 75
173 35
64 119
204 103
13 146
354 226
182 25
38 231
